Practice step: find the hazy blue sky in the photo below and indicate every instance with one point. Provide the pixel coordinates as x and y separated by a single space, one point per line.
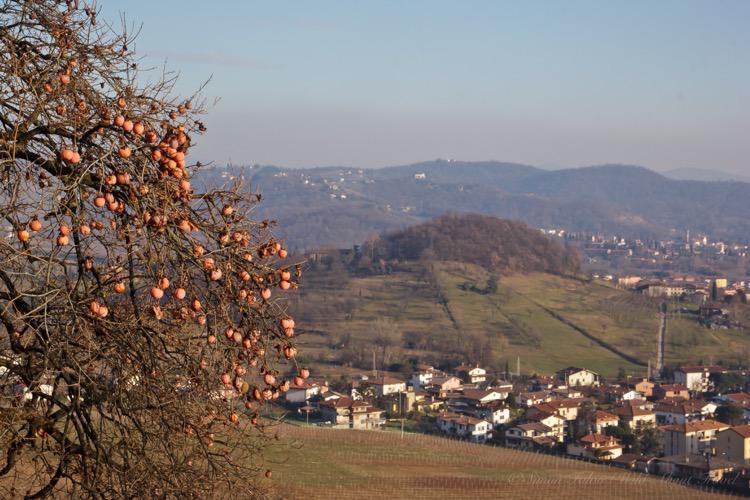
664 84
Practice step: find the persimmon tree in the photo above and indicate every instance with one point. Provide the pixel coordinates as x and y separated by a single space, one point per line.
139 334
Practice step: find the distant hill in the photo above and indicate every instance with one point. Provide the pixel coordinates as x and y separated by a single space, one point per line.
498 245
701 174
342 206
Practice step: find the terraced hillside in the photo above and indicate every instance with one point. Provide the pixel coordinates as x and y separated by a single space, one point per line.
343 464
443 310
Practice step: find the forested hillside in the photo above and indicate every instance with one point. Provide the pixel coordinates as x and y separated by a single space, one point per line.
499 245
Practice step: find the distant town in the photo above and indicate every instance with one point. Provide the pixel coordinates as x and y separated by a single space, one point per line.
695 254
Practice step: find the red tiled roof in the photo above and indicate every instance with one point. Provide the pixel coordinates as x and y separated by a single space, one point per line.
476 393
738 397
742 430
544 440
631 411
565 403
597 438
682 407
604 416
342 402
542 415
545 408
534 426
461 419
696 426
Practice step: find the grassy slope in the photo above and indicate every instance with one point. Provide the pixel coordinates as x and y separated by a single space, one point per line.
630 322
524 329
327 463
511 318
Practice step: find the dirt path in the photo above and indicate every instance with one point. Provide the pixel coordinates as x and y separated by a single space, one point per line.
661 337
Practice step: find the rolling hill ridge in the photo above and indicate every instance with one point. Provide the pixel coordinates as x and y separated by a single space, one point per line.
342 206
468 288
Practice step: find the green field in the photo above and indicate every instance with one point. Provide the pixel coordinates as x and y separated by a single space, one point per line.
429 313
346 464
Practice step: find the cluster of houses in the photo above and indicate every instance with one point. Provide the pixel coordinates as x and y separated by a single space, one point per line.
712 296
466 404
687 286
587 419
574 412
653 253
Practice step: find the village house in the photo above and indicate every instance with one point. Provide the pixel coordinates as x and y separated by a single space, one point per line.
696 378
741 400
464 426
530 435
349 413
638 384
442 384
596 447
669 290
566 393
543 383
424 377
299 394
734 444
529 399
578 377
663 391
541 409
424 402
618 394
324 396
399 403
680 411
551 420
565 408
635 417
336 411
692 437
503 387
603 419
643 385
472 374
478 396
693 466
365 416
387 385
495 412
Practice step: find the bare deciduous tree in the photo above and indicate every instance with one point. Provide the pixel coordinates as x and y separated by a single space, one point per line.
139 335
